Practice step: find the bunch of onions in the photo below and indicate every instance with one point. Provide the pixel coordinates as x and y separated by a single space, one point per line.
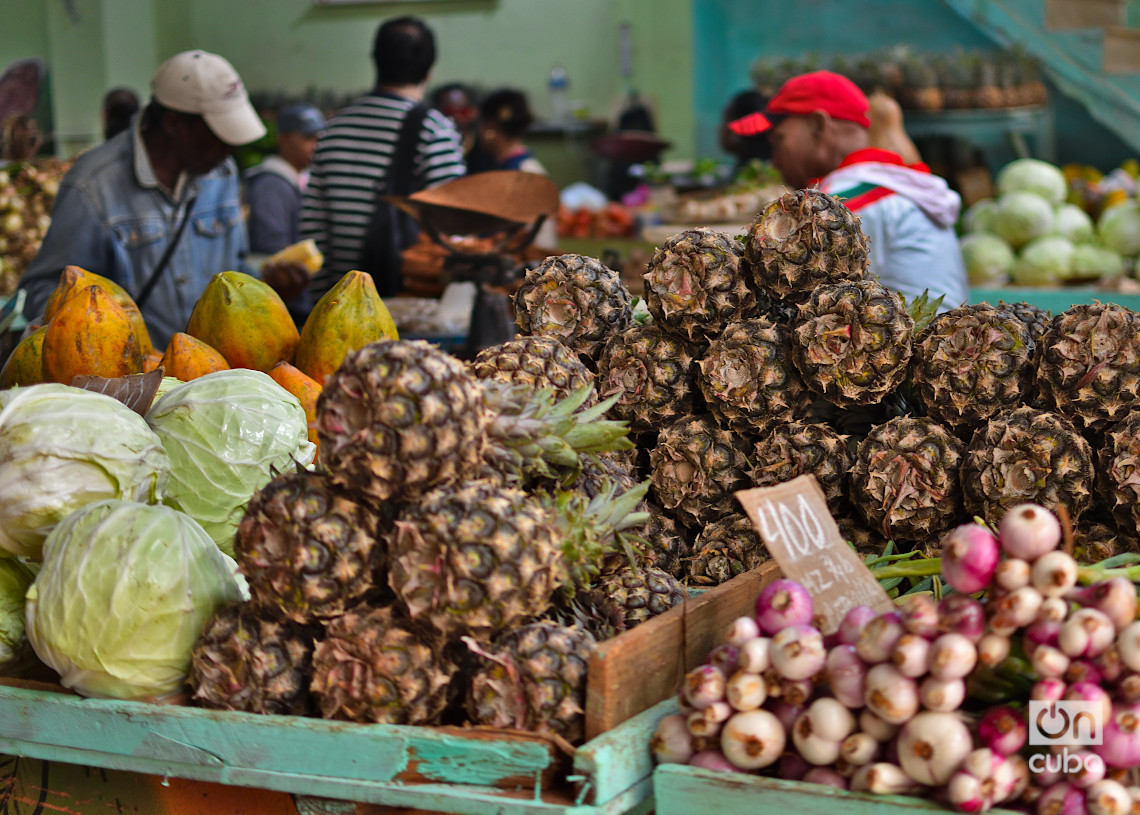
883 705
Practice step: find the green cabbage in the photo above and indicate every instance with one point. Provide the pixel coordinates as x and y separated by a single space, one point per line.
15 651
1045 262
1035 176
1020 217
1119 228
987 257
1092 262
227 433
122 596
979 216
167 384
1072 222
62 448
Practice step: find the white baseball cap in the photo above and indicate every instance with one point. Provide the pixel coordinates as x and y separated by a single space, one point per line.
204 83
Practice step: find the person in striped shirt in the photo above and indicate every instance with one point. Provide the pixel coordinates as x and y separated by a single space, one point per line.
818 125
353 155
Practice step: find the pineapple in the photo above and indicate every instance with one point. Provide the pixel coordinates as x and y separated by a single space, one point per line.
399 418
1120 472
533 678
696 285
664 543
1027 455
371 666
958 77
1036 319
652 375
246 661
791 450
853 342
920 89
574 299
696 468
905 481
598 472
725 548
537 362
865 540
803 239
309 548
1097 541
1088 368
989 92
628 595
748 379
971 363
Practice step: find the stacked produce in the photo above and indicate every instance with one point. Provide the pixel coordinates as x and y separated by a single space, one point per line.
1095 191
1033 236
932 698
27 192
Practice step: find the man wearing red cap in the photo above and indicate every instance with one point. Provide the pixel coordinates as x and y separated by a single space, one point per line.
818 126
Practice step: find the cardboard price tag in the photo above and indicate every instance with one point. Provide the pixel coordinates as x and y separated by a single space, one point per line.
796 526
136 391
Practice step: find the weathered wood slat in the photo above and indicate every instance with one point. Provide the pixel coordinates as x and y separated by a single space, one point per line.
618 759
632 673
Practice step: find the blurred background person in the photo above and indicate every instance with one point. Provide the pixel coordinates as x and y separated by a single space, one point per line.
457 102
504 119
119 105
743 146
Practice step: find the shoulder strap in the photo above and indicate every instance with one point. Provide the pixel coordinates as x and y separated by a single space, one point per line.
164 261
402 169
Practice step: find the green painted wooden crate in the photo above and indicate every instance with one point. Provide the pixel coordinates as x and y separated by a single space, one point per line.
1053 298
444 769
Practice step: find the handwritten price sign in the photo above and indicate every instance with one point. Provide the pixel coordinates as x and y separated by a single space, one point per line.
795 524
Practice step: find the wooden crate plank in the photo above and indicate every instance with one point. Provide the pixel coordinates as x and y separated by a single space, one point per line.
1121 50
1062 14
618 759
644 666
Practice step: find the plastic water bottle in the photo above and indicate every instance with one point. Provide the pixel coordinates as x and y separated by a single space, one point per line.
559 86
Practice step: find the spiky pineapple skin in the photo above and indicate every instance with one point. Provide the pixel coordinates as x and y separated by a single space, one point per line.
310 548
1035 318
371 666
475 559
537 362
399 418
723 549
629 595
652 374
1026 455
804 239
853 342
787 451
534 678
1088 366
696 285
971 363
244 660
748 379
1120 472
905 482
697 466
575 299
664 543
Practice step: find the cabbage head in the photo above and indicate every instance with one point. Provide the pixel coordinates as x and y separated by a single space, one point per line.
1119 228
1035 176
979 216
1092 262
1020 217
227 433
1072 222
122 597
167 384
1045 262
987 257
15 651
62 448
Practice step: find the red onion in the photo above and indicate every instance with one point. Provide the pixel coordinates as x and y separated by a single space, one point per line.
797 651
1109 664
1121 746
882 778
1012 573
1054 574
912 655
754 655
1041 632
993 650
846 675
1128 644
972 788
890 695
746 691
787 714
919 613
1049 662
826 777
1088 769
1048 690
859 749
713 760
707 722
783 603
742 630
796 692
942 695
1028 531
1011 779
1053 609
792 766
854 621
1090 692
1003 730
820 730
704 685
932 746
876 728
1116 597
1082 670
961 614
1016 609
1108 798
952 656
671 743
753 740
1128 689
970 556
878 639
1062 799
726 657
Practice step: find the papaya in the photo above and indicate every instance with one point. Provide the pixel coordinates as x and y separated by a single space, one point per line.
151 361
90 334
348 317
245 321
188 358
305 388
74 279
25 364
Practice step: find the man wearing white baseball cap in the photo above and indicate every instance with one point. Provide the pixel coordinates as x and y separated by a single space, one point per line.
156 208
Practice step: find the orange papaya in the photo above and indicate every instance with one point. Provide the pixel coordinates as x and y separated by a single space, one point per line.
151 361
90 334
188 358
75 279
305 388
25 364
348 317
245 321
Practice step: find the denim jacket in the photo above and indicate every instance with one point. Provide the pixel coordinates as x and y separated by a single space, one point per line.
113 218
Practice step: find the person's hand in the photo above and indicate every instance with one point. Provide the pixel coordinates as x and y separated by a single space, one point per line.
286 278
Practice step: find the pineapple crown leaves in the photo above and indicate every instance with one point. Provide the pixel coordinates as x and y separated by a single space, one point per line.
922 309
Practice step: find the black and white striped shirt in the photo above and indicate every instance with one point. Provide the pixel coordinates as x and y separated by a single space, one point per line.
351 159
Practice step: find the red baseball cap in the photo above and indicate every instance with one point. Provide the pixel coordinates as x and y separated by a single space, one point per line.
801 95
